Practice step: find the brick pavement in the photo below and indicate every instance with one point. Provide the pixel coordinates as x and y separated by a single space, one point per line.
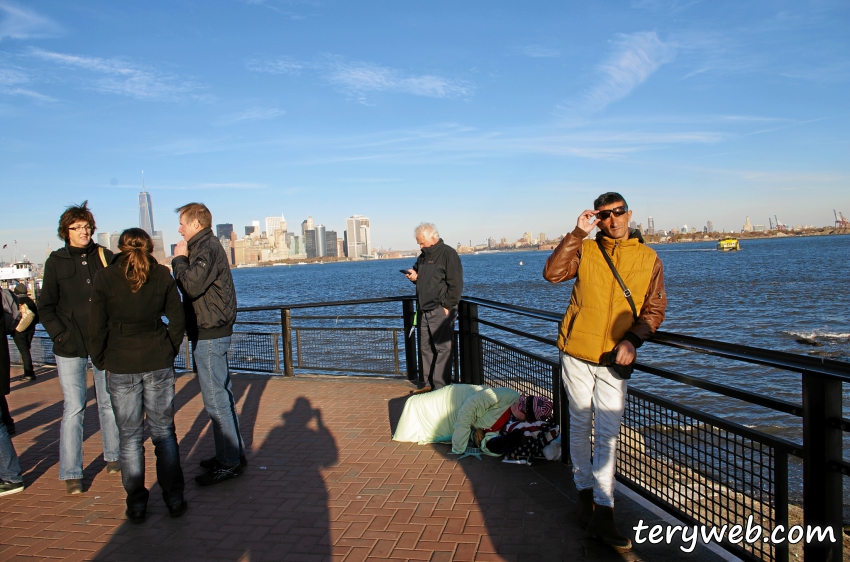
325 482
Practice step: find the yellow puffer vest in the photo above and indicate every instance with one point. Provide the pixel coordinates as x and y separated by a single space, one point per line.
599 315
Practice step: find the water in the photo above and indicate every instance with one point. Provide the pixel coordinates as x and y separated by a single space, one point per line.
769 295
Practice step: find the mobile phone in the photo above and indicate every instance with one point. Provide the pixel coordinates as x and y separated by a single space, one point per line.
403 271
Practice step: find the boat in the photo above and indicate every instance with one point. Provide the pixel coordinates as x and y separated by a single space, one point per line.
728 244
20 271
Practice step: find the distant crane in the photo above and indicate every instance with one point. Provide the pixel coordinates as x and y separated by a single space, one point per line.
840 221
770 220
779 225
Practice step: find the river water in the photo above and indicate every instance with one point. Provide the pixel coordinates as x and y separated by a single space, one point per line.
770 294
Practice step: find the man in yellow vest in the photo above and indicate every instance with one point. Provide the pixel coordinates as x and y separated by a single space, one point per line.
598 338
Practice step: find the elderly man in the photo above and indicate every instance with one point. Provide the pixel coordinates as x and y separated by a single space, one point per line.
202 271
598 337
438 276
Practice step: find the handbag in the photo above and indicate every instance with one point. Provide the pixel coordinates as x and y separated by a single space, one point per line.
27 317
610 358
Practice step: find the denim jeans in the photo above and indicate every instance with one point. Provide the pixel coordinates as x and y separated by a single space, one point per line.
594 385
136 397
72 379
210 358
10 468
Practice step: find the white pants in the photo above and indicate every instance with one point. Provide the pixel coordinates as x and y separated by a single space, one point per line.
593 385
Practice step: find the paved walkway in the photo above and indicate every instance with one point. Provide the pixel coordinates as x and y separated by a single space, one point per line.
325 482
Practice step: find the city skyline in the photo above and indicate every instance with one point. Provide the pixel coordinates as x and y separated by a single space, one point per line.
468 115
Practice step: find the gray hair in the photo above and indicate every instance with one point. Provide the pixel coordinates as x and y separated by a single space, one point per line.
428 230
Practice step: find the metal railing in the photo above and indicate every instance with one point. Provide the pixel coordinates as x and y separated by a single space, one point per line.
700 467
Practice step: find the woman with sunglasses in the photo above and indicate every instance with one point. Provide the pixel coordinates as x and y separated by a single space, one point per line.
64 308
130 341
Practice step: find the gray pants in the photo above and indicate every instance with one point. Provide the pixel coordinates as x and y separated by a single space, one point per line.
436 331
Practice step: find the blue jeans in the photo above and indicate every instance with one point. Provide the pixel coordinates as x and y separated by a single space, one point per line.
10 468
136 397
72 379
210 358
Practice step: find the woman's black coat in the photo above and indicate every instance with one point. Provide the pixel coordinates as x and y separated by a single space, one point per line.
66 297
127 334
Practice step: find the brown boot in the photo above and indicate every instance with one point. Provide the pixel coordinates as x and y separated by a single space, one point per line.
585 507
602 527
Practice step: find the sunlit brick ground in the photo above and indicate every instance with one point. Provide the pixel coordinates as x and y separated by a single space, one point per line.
325 482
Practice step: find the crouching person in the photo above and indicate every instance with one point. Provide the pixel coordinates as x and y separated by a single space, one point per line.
131 343
606 321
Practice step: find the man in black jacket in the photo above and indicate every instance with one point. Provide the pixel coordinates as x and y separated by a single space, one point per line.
438 276
64 308
23 339
202 271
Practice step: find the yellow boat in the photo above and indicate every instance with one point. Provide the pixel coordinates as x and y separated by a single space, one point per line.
728 245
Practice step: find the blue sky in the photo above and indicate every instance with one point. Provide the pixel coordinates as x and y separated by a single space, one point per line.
487 118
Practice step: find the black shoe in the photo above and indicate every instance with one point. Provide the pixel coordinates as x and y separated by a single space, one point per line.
7 488
178 510
135 515
602 527
585 507
209 464
218 475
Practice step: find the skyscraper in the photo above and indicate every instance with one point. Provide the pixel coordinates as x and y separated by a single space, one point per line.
709 227
310 243
145 211
321 245
274 224
650 226
103 239
330 244
113 241
223 230
358 236
307 225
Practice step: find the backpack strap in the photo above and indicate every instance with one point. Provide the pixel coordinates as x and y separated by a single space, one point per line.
102 256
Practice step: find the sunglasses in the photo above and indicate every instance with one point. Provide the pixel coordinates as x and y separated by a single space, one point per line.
616 211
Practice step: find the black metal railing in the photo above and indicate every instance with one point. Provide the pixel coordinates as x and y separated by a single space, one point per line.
703 468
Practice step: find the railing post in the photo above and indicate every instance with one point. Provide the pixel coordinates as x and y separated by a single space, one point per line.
822 487
276 353
189 366
286 336
411 353
780 496
472 371
565 417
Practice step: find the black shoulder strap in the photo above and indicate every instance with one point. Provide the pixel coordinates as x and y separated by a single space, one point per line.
626 292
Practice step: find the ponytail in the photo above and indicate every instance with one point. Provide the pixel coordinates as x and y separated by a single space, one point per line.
138 246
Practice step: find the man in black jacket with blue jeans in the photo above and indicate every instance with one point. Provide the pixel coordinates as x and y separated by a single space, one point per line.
202 271
438 275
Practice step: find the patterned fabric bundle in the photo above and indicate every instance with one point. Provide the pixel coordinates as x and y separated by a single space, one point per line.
535 408
525 440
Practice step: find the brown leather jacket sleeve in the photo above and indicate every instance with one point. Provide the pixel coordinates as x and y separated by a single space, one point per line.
562 265
654 306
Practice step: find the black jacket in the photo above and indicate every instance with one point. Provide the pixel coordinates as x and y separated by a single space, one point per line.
209 297
66 297
440 277
126 329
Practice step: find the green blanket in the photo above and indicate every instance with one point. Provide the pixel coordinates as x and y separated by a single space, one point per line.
451 413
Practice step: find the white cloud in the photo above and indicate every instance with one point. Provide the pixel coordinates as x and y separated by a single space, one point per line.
282 65
634 58
359 78
17 22
12 81
124 78
539 51
253 114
